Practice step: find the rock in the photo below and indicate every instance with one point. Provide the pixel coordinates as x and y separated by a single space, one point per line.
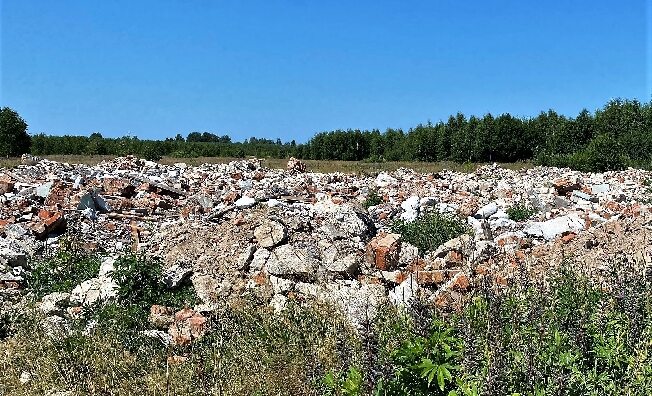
460 244
550 229
44 189
175 276
278 303
210 290
600 189
405 293
486 211
408 254
245 258
384 180
162 336
100 289
6 184
580 195
342 221
411 203
280 285
245 202
54 303
160 316
259 259
55 326
294 165
188 326
270 233
339 257
205 202
383 251
293 261
12 258
360 303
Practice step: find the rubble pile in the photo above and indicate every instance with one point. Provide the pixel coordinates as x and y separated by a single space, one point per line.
239 228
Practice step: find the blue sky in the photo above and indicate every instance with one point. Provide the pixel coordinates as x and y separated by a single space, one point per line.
291 68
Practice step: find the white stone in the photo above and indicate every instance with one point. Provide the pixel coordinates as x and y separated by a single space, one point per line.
550 229
245 202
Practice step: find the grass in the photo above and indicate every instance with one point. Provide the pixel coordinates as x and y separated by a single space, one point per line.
356 167
565 336
431 230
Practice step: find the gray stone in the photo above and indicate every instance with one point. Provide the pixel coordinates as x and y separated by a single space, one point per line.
486 211
280 285
244 259
405 293
55 303
44 189
100 289
259 259
175 276
287 260
270 233
360 303
205 202
12 258
600 188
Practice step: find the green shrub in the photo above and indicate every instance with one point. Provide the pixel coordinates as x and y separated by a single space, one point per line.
430 231
372 199
61 273
338 384
425 365
139 283
520 212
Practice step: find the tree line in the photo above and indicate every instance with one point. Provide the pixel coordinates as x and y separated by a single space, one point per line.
613 137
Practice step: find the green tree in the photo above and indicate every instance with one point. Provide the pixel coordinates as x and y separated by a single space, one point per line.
14 139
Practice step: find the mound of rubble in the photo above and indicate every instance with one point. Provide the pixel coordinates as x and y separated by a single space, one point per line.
238 228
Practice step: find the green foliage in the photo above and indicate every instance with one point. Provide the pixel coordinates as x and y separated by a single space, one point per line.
343 385
431 230
61 273
616 136
139 283
425 365
520 211
372 199
14 139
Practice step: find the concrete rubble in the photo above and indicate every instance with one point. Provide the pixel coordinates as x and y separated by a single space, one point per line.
293 235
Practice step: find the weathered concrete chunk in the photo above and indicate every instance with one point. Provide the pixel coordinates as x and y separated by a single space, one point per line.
289 260
270 233
54 303
550 229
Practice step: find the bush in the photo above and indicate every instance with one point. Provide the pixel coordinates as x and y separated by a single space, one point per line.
372 199
520 212
139 283
61 273
430 231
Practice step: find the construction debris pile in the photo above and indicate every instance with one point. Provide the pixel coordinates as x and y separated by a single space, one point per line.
239 228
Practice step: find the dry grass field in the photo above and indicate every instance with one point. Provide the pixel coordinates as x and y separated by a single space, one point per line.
358 167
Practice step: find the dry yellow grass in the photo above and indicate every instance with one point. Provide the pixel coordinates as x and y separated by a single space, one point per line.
357 167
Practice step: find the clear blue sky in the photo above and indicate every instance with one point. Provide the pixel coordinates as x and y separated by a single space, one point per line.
288 69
